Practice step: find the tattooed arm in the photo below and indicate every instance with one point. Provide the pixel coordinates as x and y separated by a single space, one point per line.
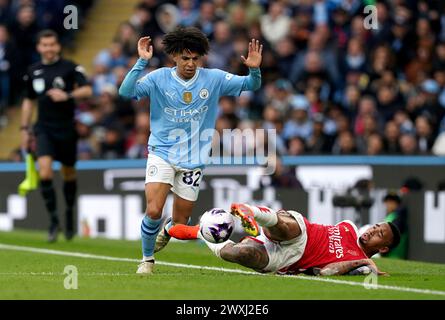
340 268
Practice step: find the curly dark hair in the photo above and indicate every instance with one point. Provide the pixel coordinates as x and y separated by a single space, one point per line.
395 235
190 39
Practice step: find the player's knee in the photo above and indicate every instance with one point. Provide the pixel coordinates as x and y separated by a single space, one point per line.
287 228
154 211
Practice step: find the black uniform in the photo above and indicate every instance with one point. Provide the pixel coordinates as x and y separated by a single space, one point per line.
55 127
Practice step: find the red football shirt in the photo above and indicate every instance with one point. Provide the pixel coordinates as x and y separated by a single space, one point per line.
327 244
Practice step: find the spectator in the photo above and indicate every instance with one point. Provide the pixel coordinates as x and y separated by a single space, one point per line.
319 142
138 150
112 57
424 133
167 17
387 102
397 214
188 14
370 128
285 51
128 37
301 26
283 177
281 95
342 124
316 61
85 145
381 59
144 19
408 144
112 145
344 144
404 122
221 48
243 106
275 24
355 58
400 42
25 29
4 11
367 107
296 147
351 99
374 145
206 18
391 138
252 10
299 124
237 20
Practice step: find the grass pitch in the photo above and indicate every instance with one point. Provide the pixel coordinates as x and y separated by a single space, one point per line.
40 275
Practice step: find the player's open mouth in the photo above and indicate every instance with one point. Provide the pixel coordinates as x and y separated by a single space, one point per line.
365 237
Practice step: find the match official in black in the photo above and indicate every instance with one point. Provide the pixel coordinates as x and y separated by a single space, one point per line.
55 83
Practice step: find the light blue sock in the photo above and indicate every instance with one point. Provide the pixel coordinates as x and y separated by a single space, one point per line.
149 231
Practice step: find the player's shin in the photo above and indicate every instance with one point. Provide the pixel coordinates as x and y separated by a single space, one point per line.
149 230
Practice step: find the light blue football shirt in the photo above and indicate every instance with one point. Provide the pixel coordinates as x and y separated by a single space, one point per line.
183 113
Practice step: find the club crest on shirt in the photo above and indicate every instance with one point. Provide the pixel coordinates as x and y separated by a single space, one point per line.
58 83
37 72
38 85
204 93
187 97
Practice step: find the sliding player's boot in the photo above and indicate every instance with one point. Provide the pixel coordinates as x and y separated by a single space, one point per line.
246 215
163 237
146 267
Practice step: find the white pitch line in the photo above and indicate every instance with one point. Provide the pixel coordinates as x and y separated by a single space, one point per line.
42 274
190 266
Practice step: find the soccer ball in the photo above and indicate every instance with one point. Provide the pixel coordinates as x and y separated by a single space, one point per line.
216 225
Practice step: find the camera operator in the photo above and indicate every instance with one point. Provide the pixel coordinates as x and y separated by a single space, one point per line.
398 215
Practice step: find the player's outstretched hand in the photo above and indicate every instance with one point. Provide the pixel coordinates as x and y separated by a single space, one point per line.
145 49
370 263
254 56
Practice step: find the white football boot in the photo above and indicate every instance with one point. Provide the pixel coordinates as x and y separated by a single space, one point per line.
146 267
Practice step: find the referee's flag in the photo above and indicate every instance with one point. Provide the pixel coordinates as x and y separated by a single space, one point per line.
32 178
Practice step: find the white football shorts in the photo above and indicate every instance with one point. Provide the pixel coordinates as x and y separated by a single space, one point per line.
283 254
184 182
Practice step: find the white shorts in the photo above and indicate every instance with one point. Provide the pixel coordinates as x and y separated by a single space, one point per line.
184 182
283 254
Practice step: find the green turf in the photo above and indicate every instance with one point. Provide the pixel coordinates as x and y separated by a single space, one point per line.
27 275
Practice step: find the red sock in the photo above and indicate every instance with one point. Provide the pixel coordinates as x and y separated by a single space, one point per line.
184 232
